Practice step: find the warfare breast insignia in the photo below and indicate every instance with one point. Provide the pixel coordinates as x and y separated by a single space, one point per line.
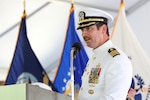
113 52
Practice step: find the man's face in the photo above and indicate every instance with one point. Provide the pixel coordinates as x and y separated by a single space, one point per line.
92 36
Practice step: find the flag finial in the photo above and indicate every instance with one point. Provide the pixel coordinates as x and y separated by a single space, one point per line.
122 1
24 4
24 12
72 2
72 6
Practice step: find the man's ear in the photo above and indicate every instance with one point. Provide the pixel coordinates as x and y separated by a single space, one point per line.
104 28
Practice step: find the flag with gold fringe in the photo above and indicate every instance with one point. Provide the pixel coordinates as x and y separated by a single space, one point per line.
62 80
25 67
124 37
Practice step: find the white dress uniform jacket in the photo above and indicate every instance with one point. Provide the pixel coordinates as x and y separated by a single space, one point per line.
107 76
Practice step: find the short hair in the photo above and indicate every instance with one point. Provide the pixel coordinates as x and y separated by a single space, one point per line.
99 24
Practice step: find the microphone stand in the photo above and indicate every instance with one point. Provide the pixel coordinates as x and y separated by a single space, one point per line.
72 73
75 49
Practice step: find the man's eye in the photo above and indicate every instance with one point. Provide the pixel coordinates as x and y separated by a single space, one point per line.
88 28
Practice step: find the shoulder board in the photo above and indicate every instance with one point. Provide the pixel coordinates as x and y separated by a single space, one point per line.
113 52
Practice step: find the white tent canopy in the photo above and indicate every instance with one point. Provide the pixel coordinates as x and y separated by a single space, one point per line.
47 23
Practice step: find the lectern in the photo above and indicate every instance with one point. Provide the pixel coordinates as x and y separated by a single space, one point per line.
29 92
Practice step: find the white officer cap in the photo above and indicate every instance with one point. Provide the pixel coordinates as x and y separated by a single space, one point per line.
89 16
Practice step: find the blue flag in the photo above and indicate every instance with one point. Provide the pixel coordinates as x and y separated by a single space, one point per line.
25 67
63 73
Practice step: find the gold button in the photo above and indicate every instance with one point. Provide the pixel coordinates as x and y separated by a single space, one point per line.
87 73
81 88
98 65
90 91
94 58
87 65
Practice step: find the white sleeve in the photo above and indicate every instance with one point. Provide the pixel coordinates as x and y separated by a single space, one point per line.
117 80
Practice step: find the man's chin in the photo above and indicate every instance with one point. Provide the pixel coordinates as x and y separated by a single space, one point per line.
89 45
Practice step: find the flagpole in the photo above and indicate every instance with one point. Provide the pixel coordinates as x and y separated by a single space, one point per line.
71 62
115 23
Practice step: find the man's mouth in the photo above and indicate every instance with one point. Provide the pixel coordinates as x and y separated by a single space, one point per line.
86 38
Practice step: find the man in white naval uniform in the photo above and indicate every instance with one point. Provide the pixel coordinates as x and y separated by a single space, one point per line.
108 73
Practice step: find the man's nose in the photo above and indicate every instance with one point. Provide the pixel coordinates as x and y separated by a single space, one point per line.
84 32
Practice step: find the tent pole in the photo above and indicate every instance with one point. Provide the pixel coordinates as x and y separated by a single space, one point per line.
16 24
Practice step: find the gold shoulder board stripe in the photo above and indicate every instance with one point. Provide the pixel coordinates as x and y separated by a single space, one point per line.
113 52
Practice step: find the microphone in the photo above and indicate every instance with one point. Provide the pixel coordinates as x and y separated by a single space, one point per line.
76 47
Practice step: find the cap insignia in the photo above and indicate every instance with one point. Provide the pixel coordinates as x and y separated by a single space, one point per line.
81 15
